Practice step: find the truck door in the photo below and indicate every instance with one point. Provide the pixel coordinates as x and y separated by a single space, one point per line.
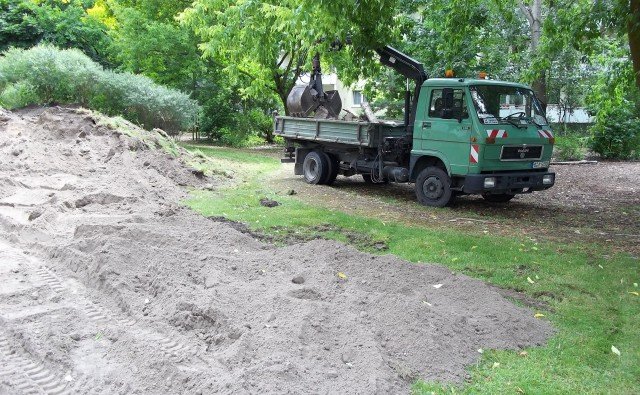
447 130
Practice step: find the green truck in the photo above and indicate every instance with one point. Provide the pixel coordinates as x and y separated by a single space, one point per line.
459 136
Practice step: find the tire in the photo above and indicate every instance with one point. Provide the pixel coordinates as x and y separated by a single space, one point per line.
334 167
498 198
433 187
315 167
368 180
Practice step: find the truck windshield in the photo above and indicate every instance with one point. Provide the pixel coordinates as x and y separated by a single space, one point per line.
506 104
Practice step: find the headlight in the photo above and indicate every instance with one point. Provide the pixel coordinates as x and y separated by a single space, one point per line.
490 182
547 179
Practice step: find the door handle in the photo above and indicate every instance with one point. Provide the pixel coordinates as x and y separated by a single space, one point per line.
426 125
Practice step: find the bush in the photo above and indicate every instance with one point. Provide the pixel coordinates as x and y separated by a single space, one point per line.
571 147
46 75
250 128
19 94
616 133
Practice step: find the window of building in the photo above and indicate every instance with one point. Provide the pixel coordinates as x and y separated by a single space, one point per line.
357 98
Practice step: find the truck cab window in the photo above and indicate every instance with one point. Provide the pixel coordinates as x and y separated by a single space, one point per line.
459 109
503 104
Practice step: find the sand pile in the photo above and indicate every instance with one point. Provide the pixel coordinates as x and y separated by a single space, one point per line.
109 286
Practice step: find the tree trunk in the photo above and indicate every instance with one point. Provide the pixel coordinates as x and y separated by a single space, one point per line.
283 98
534 17
633 26
540 89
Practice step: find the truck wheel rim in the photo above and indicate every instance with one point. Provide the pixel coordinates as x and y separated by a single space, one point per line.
433 188
311 169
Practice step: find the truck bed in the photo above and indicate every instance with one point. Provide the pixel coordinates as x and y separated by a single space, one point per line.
357 133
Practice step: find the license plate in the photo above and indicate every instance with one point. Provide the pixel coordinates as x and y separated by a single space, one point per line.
540 165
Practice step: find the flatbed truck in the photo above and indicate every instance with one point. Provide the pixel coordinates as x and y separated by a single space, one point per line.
459 136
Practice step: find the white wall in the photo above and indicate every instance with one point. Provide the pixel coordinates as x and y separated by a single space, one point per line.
578 115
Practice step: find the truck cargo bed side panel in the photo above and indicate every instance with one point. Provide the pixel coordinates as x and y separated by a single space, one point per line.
344 132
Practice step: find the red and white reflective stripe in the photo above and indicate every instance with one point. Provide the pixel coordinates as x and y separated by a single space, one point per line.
495 133
473 155
545 134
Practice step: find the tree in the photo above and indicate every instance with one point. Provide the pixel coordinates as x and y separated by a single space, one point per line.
157 48
64 24
267 45
534 17
633 30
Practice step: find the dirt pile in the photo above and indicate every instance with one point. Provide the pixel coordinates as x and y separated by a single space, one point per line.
110 286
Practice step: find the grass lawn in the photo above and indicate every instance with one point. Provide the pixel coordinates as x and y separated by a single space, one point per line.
589 293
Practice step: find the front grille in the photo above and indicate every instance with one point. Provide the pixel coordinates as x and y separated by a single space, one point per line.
521 152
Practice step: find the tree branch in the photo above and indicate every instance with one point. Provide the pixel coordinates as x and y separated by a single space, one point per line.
526 11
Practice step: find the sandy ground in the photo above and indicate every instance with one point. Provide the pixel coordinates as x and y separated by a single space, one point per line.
108 285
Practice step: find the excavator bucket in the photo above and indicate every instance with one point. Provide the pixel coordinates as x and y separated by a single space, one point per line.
333 103
302 102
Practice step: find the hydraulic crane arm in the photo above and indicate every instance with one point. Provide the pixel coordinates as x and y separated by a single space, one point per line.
402 63
410 69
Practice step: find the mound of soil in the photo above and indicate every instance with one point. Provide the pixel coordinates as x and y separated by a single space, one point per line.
113 287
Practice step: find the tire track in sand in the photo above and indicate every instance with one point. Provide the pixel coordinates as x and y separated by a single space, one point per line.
170 346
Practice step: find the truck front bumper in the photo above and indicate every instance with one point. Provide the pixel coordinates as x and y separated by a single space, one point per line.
512 183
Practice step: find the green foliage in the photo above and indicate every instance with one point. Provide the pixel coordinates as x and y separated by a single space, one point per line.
571 147
18 94
249 129
616 133
265 46
147 39
65 24
616 102
158 49
47 75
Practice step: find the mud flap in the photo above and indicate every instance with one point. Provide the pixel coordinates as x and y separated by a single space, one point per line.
301 153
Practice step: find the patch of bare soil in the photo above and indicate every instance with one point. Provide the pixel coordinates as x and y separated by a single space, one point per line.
109 286
596 203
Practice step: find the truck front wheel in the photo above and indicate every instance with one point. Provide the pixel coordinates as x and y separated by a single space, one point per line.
433 187
315 167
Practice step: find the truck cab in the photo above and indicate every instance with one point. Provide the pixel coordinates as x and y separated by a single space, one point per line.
480 137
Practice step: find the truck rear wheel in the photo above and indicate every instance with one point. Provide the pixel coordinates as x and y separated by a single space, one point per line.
333 166
433 187
315 167
498 198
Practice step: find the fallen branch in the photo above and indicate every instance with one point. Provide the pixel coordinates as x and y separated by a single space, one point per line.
576 162
371 116
472 220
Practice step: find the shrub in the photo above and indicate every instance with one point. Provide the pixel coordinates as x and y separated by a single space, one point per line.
616 133
19 94
571 147
47 75
250 128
